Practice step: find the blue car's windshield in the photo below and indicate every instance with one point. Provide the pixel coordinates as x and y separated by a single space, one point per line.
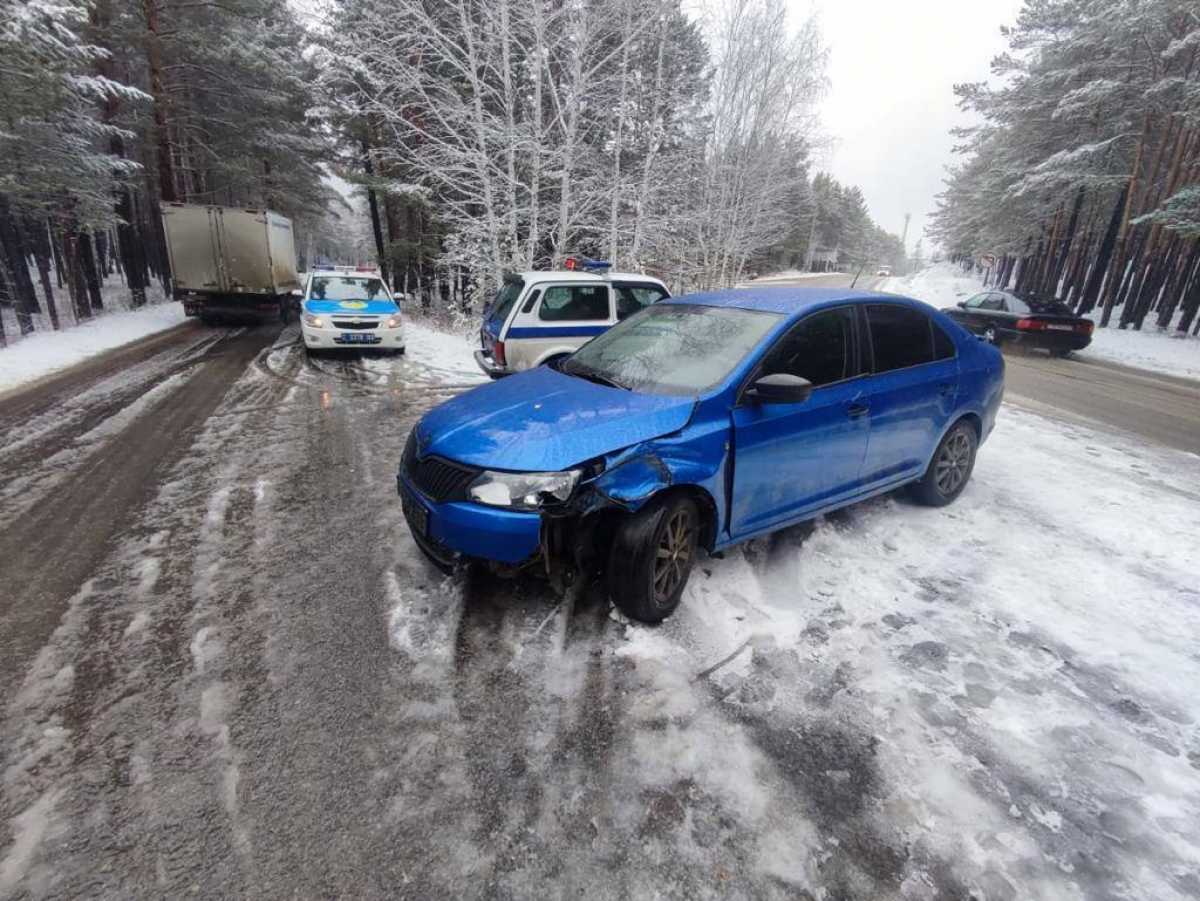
672 348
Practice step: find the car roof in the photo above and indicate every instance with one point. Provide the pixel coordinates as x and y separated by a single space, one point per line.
567 275
789 300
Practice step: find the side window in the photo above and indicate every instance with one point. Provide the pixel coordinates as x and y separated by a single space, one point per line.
943 344
574 303
631 298
819 349
900 337
993 302
531 300
1014 304
974 303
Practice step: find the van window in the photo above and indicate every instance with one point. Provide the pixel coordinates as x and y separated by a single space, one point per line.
575 303
504 300
900 336
631 298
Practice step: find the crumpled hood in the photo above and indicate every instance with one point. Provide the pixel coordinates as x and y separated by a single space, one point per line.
542 421
351 307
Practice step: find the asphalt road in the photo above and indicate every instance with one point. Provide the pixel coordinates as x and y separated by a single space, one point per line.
227 671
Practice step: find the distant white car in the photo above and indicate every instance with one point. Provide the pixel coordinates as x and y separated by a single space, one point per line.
348 307
884 271
539 316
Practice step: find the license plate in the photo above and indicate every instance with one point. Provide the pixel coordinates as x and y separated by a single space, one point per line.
1061 328
414 512
358 339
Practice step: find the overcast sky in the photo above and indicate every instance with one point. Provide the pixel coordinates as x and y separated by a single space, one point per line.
893 66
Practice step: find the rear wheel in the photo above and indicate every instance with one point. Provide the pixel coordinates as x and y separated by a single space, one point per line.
950 467
652 556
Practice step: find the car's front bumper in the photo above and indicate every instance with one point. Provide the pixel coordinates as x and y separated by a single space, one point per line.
459 529
330 337
489 366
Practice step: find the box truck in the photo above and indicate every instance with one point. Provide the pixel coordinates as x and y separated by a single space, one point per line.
227 261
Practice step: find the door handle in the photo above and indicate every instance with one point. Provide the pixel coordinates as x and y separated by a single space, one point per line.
854 411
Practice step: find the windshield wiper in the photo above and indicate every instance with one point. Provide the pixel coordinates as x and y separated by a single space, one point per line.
592 375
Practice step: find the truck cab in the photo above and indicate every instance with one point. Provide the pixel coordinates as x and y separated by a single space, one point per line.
538 316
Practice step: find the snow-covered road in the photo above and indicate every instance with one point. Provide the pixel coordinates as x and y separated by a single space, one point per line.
253 684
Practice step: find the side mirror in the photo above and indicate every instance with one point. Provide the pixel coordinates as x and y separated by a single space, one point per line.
962 304
780 388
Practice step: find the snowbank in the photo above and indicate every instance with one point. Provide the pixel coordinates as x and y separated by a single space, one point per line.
944 285
45 352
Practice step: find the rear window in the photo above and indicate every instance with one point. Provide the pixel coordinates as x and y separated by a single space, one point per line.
900 337
1037 305
504 299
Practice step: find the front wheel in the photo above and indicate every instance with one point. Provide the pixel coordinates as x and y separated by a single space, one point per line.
990 335
950 467
651 558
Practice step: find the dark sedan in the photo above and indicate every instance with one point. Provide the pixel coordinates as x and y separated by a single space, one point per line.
1001 316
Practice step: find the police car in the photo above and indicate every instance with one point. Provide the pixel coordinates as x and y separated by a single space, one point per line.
538 316
346 306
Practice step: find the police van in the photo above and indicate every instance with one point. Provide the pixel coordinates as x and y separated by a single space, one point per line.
345 306
538 316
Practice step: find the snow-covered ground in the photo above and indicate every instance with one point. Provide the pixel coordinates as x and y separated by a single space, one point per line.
787 275
47 351
945 284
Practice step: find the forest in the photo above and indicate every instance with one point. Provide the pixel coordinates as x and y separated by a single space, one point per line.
484 135
1083 175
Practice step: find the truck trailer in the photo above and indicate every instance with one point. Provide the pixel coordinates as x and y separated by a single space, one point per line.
228 261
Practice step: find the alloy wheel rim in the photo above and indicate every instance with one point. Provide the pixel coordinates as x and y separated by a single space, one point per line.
952 463
673 554
990 334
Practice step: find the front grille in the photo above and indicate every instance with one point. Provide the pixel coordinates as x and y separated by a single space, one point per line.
346 324
439 480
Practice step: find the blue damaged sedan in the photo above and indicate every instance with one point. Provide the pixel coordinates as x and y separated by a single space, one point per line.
700 422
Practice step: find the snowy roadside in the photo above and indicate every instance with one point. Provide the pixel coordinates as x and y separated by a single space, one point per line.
945 284
788 275
45 352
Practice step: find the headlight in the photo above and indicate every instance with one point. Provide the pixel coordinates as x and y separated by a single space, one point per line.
314 321
393 322
524 490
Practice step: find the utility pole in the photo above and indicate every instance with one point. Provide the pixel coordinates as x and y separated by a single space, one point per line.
904 239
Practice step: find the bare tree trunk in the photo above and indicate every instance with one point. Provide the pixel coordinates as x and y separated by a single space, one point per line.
12 243
373 205
1091 291
41 255
1118 261
167 185
91 276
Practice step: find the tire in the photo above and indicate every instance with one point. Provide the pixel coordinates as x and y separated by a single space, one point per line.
990 336
285 307
1062 353
951 467
651 558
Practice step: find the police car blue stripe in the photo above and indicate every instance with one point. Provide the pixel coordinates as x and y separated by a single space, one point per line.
570 331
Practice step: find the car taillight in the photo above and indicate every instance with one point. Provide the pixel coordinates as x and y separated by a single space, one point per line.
1086 327
498 353
1030 325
